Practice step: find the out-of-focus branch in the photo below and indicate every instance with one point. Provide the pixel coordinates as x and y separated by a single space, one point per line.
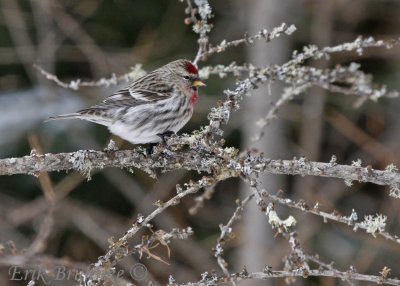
18 30
47 224
44 261
72 29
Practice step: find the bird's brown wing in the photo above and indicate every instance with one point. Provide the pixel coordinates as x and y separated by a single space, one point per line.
149 88
145 90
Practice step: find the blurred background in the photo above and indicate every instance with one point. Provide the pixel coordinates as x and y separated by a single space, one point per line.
90 39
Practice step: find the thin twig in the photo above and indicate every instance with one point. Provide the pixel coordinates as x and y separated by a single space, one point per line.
135 73
225 230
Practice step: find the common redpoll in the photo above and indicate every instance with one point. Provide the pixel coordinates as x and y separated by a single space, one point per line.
151 107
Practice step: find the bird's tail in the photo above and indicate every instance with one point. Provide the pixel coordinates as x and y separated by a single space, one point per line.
64 116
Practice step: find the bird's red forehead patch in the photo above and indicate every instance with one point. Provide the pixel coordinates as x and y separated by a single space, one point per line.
191 68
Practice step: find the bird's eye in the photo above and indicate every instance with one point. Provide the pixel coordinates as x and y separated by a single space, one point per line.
186 77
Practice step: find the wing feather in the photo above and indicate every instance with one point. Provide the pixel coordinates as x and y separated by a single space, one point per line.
149 88
145 90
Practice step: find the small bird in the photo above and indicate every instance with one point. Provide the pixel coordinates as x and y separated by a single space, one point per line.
151 107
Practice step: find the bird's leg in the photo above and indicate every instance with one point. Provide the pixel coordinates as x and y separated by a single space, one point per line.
150 148
165 134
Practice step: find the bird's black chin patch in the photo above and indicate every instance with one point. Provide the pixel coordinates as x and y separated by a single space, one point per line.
194 88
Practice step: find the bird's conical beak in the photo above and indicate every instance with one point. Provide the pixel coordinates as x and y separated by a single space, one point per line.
198 83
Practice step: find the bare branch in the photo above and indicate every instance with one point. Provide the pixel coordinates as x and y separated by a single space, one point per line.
135 73
225 231
227 164
263 34
119 249
350 220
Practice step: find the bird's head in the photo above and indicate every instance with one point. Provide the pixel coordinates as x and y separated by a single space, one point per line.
185 76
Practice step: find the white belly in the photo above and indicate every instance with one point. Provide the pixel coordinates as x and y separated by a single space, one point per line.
144 135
